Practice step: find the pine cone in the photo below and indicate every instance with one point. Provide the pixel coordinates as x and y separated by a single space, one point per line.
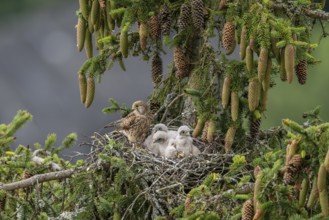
88 44
143 32
102 3
228 38
243 42
229 139
249 59
289 61
156 70
288 177
81 32
248 210
226 91
301 71
205 132
154 106
295 161
262 63
254 126
184 17
165 20
90 91
223 4
197 14
234 105
253 94
154 27
84 8
3 203
26 174
181 63
83 87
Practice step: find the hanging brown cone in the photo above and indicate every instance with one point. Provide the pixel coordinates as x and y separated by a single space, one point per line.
301 71
254 126
181 64
249 59
262 63
226 91
188 205
88 44
253 94
228 38
154 27
94 13
223 4
243 42
199 127
184 17
124 43
303 192
234 105
83 87
197 14
109 19
289 61
90 25
248 210
90 91
205 132
211 130
275 49
3 203
81 32
156 70
143 32
252 44
314 194
283 73
26 174
102 3
165 20
267 79
229 139
296 161
84 8
263 99
323 191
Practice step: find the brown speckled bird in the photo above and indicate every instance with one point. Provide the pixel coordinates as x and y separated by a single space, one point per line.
135 125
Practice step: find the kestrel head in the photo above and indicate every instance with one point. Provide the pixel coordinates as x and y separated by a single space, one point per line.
184 131
140 107
159 127
160 137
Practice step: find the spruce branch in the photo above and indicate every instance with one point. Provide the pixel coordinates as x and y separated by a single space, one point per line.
40 178
290 10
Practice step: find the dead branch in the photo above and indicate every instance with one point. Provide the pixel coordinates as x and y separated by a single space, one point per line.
40 178
319 14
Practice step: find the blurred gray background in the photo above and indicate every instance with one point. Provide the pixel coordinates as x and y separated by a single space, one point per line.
38 72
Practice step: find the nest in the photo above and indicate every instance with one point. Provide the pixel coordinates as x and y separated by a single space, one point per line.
164 182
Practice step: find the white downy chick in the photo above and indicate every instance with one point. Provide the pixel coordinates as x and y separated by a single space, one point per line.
159 143
184 140
149 140
171 151
195 151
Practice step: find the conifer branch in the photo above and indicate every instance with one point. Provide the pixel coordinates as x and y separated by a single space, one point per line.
40 178
322 15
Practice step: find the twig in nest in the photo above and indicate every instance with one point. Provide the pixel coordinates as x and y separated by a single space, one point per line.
170 104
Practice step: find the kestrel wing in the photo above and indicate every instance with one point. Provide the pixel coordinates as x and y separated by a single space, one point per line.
128 121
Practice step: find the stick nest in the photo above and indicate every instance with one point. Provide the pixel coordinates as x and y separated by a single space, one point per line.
163 183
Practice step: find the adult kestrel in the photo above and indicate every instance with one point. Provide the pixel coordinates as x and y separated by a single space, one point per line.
136 124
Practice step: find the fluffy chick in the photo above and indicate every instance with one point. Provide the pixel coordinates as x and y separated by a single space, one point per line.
171 151
159 143
184 140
